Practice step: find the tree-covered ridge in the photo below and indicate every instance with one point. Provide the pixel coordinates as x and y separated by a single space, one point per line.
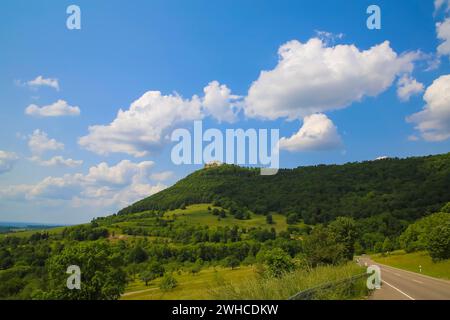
406 189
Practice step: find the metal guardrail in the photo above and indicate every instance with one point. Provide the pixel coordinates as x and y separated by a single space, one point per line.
310 293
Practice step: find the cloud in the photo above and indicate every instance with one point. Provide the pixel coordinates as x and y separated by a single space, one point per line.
144 126
312 77
121 174
57 109
408 86
104 186
443 33
328 37
438 4
433 122
220 103
57 161
7 161
317 133
39 142
41 81
162 176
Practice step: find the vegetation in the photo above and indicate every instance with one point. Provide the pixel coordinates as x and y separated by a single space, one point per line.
402 189
168 282
281 288
293 230
102 275
431 233
416 262
189 287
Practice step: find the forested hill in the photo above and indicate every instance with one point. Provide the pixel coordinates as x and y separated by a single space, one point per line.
406 189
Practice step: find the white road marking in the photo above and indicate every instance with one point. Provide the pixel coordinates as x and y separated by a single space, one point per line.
390 285
417 281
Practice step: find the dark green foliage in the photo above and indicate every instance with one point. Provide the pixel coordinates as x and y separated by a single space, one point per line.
102 277
292 218
406 189
416 236
345 232
269 219
85 232
138 254
276 261
446 208
321 247
439 242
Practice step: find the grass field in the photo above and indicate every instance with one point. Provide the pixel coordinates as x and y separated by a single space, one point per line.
198 214
195 287
412 261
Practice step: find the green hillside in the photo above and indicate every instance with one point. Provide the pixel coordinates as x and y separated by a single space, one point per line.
406 189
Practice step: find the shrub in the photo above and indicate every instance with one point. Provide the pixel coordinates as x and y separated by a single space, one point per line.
438 244
168 282
277 261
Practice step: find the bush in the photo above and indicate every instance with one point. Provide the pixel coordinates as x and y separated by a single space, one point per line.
231 262
168 282
439 242
417 236
277 262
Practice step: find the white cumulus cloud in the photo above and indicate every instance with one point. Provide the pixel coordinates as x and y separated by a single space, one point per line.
433 122
104 186
317 133
57 161
57 109
7 161
407 87
121 174
143 126
40 81
312 77
39 142
220 103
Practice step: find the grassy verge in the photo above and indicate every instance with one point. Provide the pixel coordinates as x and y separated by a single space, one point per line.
299 280
412 261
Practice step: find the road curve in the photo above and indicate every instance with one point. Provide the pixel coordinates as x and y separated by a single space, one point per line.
400 284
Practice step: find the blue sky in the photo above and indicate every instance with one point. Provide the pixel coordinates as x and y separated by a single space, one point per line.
125 49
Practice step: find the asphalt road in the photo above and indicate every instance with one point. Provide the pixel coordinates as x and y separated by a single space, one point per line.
399 284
